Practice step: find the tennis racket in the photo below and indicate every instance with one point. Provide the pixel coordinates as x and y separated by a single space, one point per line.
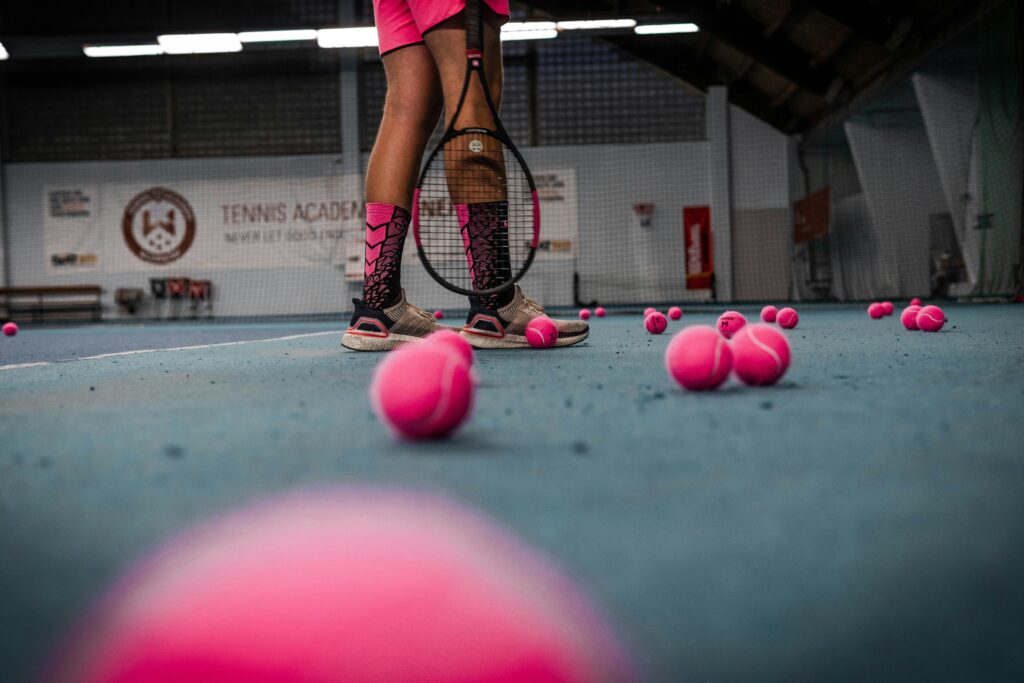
475 212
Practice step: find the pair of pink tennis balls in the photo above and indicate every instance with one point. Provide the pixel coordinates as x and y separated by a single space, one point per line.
787 318
585 313
880 309
344 586
699 358
923 318
425 389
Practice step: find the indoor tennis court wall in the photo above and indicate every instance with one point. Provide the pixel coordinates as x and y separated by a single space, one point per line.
609 180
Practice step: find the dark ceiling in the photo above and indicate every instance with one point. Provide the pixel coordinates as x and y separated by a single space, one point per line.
792 63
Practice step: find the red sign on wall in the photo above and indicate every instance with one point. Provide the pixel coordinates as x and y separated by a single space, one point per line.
811 216
697 240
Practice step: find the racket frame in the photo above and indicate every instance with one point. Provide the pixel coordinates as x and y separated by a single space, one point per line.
474 64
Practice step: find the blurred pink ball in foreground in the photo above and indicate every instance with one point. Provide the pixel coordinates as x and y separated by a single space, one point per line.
344 586
454 341
698 358
760 354
422 390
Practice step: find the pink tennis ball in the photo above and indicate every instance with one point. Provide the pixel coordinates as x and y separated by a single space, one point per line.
730 322
769 314
584 314
675 313
930 319
541 332
648 311
915 302
10 329
909 317
344 586
698 358
876 310
422 391
438 314
887 307
787 318
760 354
655 323
453 341
599 312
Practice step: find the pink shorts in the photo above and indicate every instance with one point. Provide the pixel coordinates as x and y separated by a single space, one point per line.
403 22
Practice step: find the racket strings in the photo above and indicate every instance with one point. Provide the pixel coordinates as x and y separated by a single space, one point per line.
476 213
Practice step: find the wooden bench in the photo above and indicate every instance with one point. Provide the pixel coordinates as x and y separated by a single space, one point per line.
35 304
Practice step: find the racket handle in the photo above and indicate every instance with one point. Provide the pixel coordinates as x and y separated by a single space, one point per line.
474 37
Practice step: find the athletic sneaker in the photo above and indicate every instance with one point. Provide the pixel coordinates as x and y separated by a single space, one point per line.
505 328
373 329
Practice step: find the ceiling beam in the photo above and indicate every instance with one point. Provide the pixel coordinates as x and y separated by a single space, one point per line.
672 57
940 30
774 52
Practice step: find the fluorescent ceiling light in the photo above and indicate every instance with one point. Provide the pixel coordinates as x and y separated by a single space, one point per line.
3 53
516 26
652 29
276 36
596 24
365 36
122 50
528 35
199 43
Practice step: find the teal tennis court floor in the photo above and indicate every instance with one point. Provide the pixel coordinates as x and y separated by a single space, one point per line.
862 520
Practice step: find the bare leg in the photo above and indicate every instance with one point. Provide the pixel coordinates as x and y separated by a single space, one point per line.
473 177
411 111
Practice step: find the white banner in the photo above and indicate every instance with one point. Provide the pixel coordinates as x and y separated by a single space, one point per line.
236 224
559 227
243 224
70 232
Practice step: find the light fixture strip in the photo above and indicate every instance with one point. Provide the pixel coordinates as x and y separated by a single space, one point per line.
656 29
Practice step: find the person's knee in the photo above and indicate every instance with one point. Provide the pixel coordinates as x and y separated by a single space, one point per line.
415 110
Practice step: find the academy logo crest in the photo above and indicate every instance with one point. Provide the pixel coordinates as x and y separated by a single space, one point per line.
159 225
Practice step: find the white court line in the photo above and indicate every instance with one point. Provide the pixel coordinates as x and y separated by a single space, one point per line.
136 352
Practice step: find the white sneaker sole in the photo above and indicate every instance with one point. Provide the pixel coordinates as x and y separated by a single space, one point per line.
362 342
513 341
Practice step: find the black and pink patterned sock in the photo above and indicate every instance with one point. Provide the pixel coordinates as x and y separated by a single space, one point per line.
485 234
386 227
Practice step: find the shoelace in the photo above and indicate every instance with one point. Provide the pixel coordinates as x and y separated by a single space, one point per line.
420 312
534 305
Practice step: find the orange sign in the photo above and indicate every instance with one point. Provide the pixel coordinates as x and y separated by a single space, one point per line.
812 215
